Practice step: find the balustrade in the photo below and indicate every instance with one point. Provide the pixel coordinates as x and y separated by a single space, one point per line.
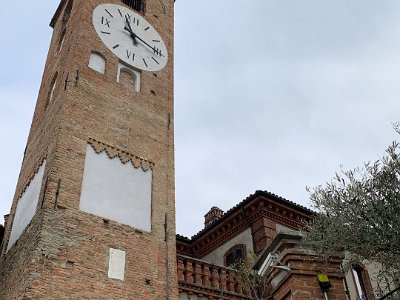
218 280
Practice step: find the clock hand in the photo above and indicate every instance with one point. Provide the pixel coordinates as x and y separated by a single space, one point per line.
144 42
135 36
132 35
129 28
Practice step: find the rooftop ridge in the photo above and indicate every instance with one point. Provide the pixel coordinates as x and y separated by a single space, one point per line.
247 200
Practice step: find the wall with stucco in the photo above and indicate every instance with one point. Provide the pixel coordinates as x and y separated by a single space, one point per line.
26 207
116 191
217 256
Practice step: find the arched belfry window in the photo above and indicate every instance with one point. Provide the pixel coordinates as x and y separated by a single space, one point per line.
235 254
138 5
97 62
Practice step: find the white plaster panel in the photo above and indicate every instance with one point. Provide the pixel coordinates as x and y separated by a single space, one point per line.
116 264
116 191
217 256
26 207
97 63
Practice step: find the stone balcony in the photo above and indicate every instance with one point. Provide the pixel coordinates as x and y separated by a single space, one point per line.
198 279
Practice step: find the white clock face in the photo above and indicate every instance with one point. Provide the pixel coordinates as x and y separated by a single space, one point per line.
130 37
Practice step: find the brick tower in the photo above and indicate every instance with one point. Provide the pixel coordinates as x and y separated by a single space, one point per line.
93 216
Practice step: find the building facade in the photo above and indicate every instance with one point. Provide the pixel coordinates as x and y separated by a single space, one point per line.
265 224
93 216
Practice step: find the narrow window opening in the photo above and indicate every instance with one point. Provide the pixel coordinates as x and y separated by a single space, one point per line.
359 282
61 41
52 90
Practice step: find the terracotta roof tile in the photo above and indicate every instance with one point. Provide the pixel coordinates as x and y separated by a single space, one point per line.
241 204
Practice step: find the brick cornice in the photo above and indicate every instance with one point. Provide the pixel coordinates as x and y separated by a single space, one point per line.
260 205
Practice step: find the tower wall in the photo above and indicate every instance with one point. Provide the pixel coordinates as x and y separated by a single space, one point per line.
64 252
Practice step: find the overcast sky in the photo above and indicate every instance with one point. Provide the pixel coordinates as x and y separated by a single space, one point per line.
269 95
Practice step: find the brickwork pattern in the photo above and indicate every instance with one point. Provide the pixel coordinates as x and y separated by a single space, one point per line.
63 252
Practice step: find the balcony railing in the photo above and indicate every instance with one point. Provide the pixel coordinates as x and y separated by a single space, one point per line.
205 279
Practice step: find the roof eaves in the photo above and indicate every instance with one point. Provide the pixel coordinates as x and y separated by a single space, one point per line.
246 201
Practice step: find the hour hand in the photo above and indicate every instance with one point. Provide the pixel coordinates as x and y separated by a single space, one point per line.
129 28
133 36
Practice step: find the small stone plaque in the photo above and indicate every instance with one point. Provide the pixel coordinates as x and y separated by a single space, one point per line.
116 264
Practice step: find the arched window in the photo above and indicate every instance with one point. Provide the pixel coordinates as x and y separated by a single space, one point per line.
97 62
362 282
235 254
128 77
138 5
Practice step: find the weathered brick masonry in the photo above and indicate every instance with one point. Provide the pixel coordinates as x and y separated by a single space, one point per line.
63 253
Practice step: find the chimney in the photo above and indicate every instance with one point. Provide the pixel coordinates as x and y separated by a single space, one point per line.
2 229
214 214
6 220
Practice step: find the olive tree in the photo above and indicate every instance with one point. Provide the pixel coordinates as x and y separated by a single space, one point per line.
358 212
253 285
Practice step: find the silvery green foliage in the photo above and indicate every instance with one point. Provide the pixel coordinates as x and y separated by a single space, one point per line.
358 212
253 285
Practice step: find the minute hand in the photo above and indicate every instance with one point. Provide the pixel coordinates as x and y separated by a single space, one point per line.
144 42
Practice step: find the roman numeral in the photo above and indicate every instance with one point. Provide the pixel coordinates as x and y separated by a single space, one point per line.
155 60
120 13
129 54
105 32
129 17
116 46
157 51
109 13
105 21
145 63
137 22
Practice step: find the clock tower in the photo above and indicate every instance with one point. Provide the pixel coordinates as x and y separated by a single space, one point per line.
93 216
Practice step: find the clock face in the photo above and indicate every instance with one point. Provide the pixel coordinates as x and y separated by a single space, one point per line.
130 37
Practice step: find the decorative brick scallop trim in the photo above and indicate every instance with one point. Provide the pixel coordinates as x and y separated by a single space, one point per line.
37 167
124 157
